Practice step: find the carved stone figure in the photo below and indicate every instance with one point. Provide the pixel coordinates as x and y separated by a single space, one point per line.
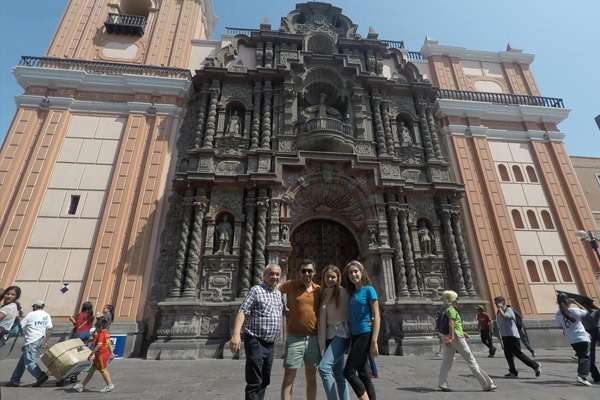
285 233
234 125
373 242
405 136
425 241
224 235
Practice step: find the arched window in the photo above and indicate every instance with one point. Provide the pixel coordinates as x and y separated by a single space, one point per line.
534 275
547 220
549 271
518 173
504 177
533 222
531 174
564 271
517 220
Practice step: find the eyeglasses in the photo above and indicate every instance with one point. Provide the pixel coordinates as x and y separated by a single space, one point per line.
307 271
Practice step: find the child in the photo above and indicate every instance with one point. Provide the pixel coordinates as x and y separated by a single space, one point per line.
100 355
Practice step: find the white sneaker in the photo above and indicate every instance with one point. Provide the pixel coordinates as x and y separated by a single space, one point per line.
108 388
78 387
583 382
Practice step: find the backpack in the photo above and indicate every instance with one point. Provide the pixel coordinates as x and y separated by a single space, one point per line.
442 323
518 319
591 322
15 329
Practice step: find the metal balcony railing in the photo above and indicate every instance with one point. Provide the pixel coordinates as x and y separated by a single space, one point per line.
414 55
501 98
329 124
393 44
125 24
104 68
239 31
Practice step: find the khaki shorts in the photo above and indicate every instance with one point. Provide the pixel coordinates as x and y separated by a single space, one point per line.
299 349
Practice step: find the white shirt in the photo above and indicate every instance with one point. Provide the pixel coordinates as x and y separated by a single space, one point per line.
10 312
35 324
574 331
507 325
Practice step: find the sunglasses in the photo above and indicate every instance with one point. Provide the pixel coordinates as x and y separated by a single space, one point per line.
307 271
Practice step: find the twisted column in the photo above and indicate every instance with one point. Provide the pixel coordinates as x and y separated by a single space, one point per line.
254 134
387 127
453 253
379 133
266 131
400 270
246 272
192 266
182 245
203 103
462 254
437 150
211 126
261 237
413 285
425 133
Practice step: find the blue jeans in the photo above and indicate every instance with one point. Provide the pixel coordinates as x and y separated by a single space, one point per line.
28 360
331 369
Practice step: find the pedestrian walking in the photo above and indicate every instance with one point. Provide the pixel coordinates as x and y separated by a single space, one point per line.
569 317
302 343
10 312
484 324
260 317
365 323
438 334
509 333
108 313
100 356
37 329
334 333
455 340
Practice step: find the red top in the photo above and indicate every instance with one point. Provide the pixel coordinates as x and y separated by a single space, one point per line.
483 320
102 337
83 322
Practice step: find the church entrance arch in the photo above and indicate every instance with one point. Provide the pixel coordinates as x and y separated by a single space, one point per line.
324 241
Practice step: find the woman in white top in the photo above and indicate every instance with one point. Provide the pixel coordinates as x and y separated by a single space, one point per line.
9 310
333 333
569 319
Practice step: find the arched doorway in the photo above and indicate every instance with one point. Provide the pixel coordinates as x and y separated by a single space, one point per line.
325 242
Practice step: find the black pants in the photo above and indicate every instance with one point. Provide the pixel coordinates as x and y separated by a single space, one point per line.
582 350
593 368
259 359
486 339
356 370
512 349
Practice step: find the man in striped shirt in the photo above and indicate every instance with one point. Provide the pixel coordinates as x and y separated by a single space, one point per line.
262 313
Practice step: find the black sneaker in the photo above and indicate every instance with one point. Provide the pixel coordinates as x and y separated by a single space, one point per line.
538 370
41 380
493 352
12 384
511 375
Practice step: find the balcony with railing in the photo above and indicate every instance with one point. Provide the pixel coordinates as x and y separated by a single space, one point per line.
501 98
326 134
125 24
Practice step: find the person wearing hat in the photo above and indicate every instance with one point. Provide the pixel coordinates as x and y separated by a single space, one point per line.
484 323
455 340
37 329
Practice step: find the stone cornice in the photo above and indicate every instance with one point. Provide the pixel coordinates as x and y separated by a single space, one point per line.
81 80
433 48
502 134
500 112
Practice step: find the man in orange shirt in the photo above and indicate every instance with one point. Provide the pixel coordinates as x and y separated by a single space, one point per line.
302 344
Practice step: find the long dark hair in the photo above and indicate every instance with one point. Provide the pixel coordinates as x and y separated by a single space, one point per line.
17 291
363 272
88 308
563 306
336 288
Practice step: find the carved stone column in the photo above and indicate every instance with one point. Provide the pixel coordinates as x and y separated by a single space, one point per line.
192 266
462 254
262 205
424 127
266 131
409 261
202 104
379 132
211 124
437 150
400 270
182 245
246 272
274 220
255 133
387 126
269 55
453 253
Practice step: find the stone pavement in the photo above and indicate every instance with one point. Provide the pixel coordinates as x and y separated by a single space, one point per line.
410 377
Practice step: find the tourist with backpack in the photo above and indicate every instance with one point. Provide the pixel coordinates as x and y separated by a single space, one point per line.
450 325
10 313
508 321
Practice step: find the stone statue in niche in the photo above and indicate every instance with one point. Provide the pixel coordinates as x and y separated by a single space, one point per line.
405 137
425 241
285 233
224 232
373 242
234 125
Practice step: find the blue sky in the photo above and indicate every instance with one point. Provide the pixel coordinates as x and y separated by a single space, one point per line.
564 36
